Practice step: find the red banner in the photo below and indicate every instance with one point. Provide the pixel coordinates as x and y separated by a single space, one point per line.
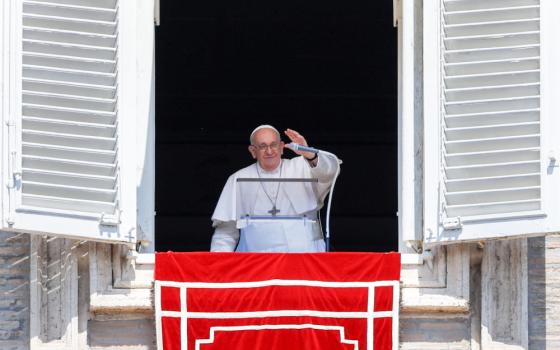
211 301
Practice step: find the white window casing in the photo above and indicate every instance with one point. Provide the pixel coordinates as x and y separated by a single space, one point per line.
490 111
407 198
145 123
69 119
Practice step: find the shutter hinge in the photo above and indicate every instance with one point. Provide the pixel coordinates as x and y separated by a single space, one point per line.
553 159
110 220
452 223
13 159
10 220
16 175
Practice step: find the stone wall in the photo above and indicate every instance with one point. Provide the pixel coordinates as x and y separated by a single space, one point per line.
543 260
435 332
498 281
134 334
14 291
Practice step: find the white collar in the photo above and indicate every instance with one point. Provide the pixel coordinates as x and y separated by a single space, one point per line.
271 172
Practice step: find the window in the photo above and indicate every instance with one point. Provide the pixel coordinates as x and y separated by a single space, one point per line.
223 69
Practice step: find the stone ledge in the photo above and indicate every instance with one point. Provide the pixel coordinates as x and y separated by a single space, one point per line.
413 300
133 301
128 301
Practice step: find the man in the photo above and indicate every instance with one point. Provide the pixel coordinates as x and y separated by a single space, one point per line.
274 198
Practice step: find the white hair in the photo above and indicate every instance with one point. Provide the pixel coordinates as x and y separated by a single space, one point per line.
264 126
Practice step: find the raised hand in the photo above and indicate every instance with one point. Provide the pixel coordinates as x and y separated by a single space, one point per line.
296 137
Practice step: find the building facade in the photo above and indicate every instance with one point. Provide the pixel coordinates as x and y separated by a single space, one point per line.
478 174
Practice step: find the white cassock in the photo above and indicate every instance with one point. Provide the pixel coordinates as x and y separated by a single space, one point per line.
239 199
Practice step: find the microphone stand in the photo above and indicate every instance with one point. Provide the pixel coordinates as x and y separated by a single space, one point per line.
298 147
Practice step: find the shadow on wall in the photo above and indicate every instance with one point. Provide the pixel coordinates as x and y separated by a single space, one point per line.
537 287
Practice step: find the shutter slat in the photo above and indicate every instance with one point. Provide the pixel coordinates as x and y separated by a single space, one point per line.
490 131
492 118
492 41
62 152
70 24
494 66
492 105
493 208
72 114
493 195
75 180
491 92
494 169
477 158
68 166
73 11
69 50
466 5
492 28
492 80
491 14
69 37
494 143
55 190
61 100
492 54
493 182
69 128
77 141
68 204
107 4
68 89
56 61
69 76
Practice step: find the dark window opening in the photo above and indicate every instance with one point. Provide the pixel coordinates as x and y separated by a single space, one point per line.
325 68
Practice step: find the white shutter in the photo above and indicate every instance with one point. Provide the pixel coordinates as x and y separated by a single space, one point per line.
483 120
69 139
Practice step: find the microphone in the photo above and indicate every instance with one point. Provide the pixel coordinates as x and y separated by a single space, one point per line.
297 147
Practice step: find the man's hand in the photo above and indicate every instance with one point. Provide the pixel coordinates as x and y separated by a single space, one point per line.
296 137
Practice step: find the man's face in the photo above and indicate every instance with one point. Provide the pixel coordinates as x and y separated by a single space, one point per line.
267 149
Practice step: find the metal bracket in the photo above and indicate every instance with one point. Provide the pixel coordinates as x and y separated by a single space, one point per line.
428 258
131 254
454 223
415 245
141 244
110 220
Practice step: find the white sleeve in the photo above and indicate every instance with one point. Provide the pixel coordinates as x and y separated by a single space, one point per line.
326 168
225 237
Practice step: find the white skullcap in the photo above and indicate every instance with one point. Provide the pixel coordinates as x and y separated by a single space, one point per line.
264 126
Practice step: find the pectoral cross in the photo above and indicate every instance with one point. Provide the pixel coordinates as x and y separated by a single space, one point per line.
274 211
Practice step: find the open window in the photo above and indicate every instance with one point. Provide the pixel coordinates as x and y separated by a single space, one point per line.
325 68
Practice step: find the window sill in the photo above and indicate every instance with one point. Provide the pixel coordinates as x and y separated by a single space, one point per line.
419 293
